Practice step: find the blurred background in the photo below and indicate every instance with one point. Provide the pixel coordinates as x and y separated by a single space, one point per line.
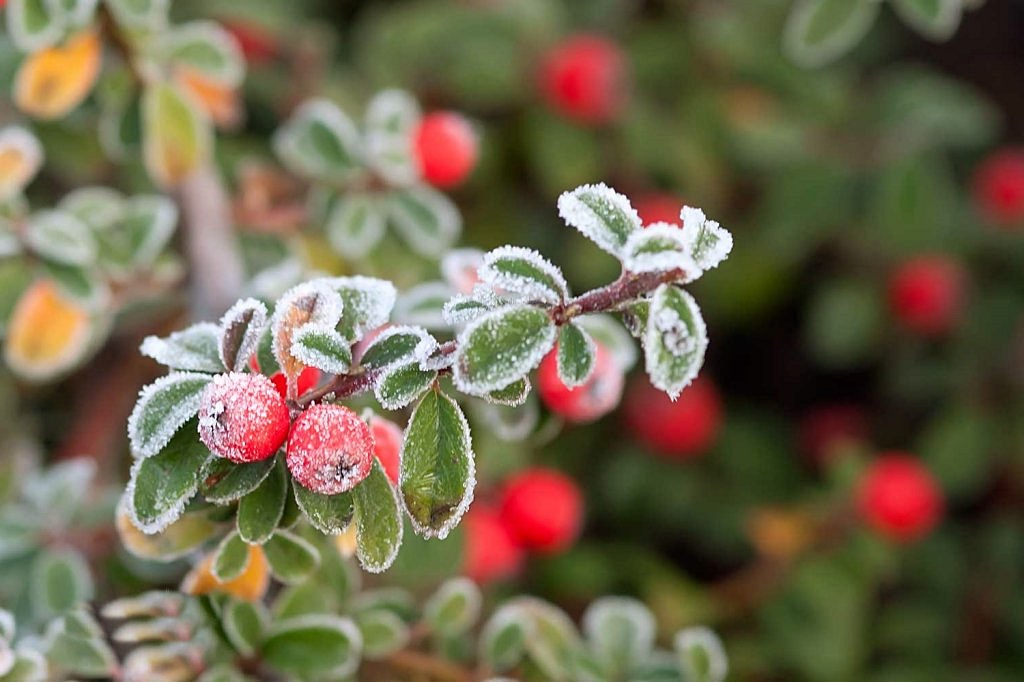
873 305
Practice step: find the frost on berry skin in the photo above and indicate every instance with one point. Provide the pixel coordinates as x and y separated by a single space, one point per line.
999 187
242 417
707 242
899 497
194 349
675 339
446 148
660 247
387 445
593 399
314 302
525 274
601 214
163 407
240 330
680 429
927 294
461 269
330 449
543 510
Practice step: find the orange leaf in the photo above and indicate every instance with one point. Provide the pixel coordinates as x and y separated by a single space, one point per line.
221 102
176 138
48 334
20 157
251 585
52 82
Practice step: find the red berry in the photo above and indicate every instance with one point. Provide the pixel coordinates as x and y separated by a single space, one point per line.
542 509
828 427
926 294
899 498
387 445
308 380
658 208
596 397
258 45
999 187
446 147
330 449
584 78
678 430
491 552
242 417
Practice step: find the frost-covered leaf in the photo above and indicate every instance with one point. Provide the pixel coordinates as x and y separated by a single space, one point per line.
378 521
241 329
550 637
177 136
422 305
503 638
576 354
231 558
438 469
934 19
193 349
461 269
61 237
513 395
525 273
162 409
399 386
83 286
391 118
205 47
320 142
160 485
29 666
620 632
707 243
454 608
466 308
601 214
660 247
398 344
182 537
78 650
291 559
140 14
59 581
315 303
321 347
319 645
820 31
368 302
610 333
355 224
329 514
33 24
22 155
427 219
260 511
245 624
675 340
501 348
383 633
224 481
701 655
147 223
98 207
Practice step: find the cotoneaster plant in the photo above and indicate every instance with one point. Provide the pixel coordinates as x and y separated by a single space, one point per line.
214 440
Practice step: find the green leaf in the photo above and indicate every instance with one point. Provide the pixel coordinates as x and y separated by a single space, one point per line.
231 558
438 468
29 666
701 656
59 581
400 386
503 639
367 304
60 237
620 632
175 541
454 608
551 637
82 284
147 223
193 349
260 511
427 219
245 624
675 339
601 214
206 47
383 633
321 347
291 559
502 347
225 481
78 655
329 514
355 224
524 272
33 25
314 645
659 248
820 31
576 353
391 118
177 136
161 485
396 345
162 409
513 395
144 14
378 519
320 142
239 333
934 19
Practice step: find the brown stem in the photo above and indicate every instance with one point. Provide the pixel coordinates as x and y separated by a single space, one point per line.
426 667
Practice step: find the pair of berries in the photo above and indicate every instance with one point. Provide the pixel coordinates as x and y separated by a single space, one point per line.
244 418
538 510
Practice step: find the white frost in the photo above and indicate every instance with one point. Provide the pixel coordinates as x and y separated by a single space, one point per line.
325 309
507 368
599 625
660 247
707 242
460 268
547 285
714 652
368 301
62 237
668 334
172 414
192 349
256 311
336 362
430 238
465 308
287 138
581 214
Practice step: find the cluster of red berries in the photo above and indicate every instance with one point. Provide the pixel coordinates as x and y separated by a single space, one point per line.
899 498
538 510
244 417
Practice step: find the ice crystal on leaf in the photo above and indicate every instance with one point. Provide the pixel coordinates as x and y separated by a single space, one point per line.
601 214
525 274
660 247
675 340
707 242
163 407
194 349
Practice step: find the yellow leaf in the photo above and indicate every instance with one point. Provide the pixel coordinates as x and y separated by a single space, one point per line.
221 102
251 585
48 333
20 158
176 134
53 81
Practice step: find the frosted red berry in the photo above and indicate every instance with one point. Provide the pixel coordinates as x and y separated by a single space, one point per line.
682 429
899 497
491 553
593 399
308 380
446 147
584 79
999 187
542 509
387 445
826 428
242 417
926 294
330 449
658 207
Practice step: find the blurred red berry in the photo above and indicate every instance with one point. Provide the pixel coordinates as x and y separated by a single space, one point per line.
927 294
491 552
308 380
387 445
330 449
999 187
899 497
678 430
593 399
446 147
658 208
242 417
542 509
584 79
258 44
827 427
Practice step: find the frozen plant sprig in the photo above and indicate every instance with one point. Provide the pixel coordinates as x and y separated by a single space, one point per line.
519 309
